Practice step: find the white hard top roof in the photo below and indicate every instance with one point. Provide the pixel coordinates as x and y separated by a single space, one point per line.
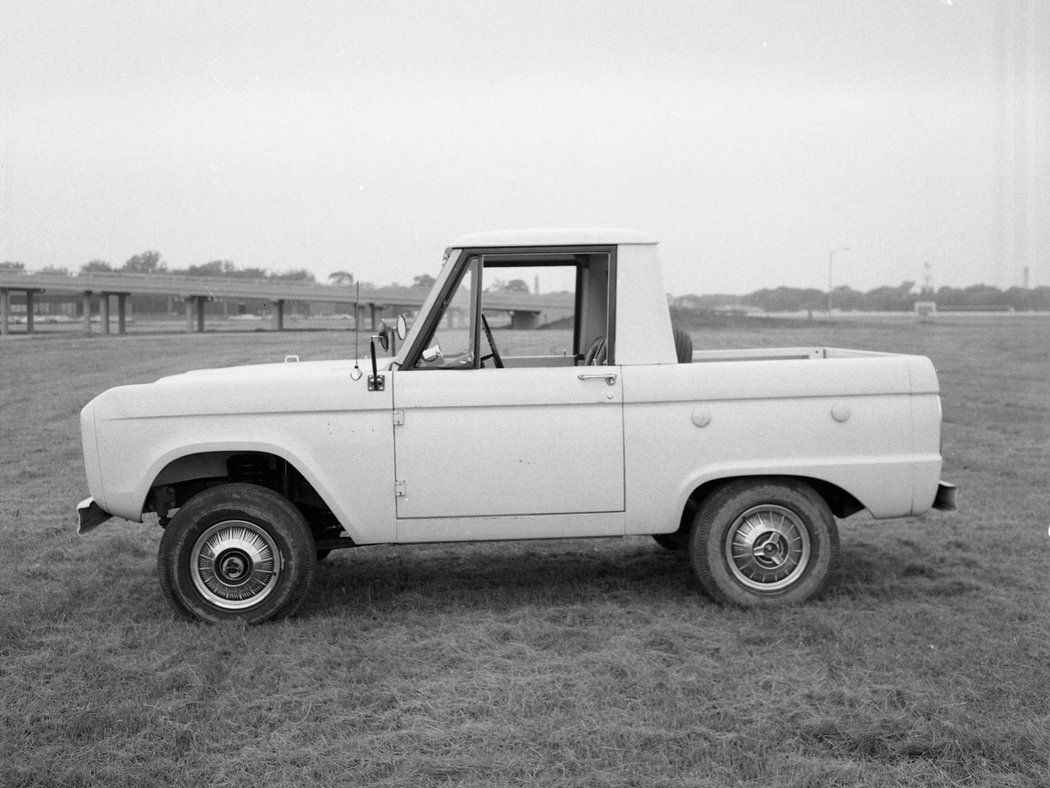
589 236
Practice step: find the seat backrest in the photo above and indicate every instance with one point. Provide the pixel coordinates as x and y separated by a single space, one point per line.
683 346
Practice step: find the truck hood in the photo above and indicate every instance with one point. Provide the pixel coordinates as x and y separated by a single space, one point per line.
256 372
301 387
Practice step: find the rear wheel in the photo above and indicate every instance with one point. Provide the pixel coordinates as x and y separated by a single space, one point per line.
765 542
236 552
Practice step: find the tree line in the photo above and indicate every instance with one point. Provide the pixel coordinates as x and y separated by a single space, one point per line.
881 299
151 263
901 298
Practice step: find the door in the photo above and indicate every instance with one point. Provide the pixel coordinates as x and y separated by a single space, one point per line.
508 442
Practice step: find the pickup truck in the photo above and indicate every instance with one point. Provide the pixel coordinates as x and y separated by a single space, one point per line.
506 413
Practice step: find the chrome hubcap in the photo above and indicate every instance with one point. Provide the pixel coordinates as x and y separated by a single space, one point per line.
767 548
235 564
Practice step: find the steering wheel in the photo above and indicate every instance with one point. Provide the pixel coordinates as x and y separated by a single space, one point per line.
494 355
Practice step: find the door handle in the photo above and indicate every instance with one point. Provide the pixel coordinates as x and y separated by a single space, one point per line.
608 377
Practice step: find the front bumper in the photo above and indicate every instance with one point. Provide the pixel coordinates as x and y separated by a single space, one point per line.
91 516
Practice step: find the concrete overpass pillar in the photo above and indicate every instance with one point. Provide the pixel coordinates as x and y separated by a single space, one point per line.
5 309
122 317
103 312
29 311
87 312
277 310
195 313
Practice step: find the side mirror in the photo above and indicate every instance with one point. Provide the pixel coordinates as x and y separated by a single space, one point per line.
383 335
402 326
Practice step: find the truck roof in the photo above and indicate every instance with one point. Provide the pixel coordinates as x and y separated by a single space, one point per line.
584 236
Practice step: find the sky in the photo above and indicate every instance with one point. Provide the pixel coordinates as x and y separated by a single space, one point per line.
750 137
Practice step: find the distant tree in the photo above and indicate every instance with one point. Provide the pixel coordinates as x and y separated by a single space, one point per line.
982 295
891 299
847 299
341 278
95 266
513 286
8 265
711 301
61 270
1018 298
296 275
899 298
145 263
1036 298
787 299
423 280
214 268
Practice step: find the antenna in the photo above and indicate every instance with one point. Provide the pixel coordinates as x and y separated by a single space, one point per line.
356 373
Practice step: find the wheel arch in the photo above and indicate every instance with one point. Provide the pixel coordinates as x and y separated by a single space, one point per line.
179 477
841 502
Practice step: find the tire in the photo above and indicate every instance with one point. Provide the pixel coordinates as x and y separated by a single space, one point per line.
764 542
237 552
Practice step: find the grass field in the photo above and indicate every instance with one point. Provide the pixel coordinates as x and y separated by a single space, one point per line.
583 663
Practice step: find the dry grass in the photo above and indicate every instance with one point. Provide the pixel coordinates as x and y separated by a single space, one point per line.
574 663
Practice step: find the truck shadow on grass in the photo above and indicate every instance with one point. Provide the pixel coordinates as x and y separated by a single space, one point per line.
500 576
511 575
905 570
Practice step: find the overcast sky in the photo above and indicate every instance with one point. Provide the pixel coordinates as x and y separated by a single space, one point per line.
750 138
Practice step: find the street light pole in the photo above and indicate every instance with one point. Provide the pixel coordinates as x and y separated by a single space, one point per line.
831 262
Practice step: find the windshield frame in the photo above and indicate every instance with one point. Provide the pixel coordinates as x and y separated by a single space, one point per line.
408 350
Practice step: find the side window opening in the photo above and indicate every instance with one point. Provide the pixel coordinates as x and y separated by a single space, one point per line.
524 309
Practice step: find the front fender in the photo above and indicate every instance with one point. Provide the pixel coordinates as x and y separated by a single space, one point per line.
330 428
347 475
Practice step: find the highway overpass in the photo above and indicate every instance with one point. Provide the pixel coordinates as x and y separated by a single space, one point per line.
525 310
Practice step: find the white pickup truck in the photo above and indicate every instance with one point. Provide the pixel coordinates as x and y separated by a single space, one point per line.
507 414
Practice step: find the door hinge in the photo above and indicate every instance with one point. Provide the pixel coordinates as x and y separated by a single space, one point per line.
399 490
399 418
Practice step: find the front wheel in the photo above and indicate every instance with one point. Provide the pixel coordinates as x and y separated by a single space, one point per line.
236 552
764 542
